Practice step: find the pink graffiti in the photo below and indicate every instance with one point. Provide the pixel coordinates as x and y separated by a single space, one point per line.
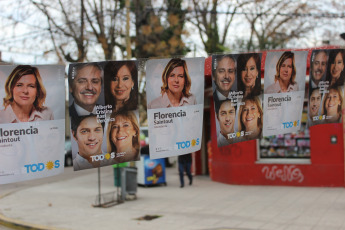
287 173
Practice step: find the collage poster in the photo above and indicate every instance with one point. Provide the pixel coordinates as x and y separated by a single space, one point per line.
104 113
326 86
284 91
175 105
32 122
236 83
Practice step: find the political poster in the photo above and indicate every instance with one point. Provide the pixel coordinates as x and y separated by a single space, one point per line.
285 74
104 113
326 86
237 97
32 122
175 103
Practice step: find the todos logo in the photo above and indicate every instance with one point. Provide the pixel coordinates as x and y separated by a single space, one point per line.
41 166
319 118
187 144
286 125
102 157
234 135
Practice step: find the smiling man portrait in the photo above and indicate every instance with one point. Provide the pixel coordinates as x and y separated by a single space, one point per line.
85 85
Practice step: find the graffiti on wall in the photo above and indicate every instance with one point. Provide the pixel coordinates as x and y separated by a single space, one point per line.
287 173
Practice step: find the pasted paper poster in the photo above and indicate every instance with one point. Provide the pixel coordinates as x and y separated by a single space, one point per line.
237 97
326 86
32 122
285 74
104 113
175 98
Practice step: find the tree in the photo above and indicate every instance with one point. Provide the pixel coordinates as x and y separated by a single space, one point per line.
155 36
206 19
85 23
274 23
159 33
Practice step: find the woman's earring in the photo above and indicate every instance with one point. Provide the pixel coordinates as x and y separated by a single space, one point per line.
132 87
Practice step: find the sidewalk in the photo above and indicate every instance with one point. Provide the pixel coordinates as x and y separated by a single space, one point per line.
67 204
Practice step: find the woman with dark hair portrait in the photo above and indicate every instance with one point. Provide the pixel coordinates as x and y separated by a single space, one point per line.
335 68
25 97
248 74
176 86
251 118
284 80
332 104
121 85
123 136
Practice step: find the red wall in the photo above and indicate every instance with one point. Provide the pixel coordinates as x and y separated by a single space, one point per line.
236 164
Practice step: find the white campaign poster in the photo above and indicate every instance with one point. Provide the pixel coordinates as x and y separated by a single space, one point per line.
104 113
236 83
32 122
285 74
175 98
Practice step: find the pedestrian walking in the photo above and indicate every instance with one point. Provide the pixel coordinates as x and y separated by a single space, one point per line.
184 164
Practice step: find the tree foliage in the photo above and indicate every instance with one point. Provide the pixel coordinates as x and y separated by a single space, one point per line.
85 30
205 18
74 26
273 23
159 30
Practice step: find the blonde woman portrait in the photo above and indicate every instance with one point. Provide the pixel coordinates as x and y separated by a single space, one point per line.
175 89
25 97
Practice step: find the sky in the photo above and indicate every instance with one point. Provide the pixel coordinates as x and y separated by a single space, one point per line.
22 30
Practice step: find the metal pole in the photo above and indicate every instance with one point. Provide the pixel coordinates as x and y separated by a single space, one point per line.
118 181
99 186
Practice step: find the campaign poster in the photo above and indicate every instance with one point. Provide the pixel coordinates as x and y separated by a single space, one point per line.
32 122
104 113
326 86
236 83
285 74
175 105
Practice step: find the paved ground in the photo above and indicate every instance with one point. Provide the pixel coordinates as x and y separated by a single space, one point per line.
67 204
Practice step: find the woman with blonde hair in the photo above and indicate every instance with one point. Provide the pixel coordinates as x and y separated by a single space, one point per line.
123 136
284 80
251 118
332 104
176 86
25 97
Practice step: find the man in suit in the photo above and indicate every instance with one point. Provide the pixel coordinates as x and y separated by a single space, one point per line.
85 85
318 67
224 77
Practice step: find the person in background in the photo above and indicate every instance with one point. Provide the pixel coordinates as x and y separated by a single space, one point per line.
184 165
25 97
